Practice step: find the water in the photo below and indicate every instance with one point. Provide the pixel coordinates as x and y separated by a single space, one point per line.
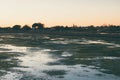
55 57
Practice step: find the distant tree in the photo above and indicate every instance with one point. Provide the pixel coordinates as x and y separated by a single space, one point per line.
26 28
58 28
38 26
16 27
91 28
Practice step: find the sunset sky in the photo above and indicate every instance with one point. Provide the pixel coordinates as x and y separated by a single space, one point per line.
59 12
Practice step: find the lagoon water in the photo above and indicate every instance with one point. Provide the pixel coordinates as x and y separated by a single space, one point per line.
55 57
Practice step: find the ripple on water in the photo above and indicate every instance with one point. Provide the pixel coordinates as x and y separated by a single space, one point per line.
34 63
82 41
99 58
11 76
66 54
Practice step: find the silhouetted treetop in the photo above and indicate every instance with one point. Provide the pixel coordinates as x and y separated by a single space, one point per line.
38 26
26 27
16 27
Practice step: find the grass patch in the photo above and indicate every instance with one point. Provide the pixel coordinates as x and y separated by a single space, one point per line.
55 72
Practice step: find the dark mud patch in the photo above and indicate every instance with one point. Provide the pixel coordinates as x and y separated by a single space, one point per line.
55 72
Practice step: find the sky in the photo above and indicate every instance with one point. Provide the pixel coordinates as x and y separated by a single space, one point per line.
59 12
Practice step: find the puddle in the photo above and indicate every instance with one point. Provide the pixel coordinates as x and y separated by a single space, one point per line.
76 60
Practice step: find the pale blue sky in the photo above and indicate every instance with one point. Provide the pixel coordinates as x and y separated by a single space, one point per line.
59 12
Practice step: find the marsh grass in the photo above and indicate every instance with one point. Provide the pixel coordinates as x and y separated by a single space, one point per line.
100 51
55 72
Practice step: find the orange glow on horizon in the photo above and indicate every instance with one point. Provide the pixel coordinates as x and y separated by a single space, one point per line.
63 12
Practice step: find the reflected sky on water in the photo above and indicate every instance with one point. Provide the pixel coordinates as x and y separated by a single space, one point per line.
58 58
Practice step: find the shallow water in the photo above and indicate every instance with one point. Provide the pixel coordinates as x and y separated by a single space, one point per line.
47 57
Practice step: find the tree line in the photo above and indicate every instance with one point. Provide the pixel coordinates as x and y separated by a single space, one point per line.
40 27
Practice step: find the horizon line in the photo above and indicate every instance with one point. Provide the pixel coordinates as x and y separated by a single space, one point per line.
74 25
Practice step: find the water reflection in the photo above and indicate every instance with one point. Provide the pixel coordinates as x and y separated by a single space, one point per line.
56 58
99 58
83 41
